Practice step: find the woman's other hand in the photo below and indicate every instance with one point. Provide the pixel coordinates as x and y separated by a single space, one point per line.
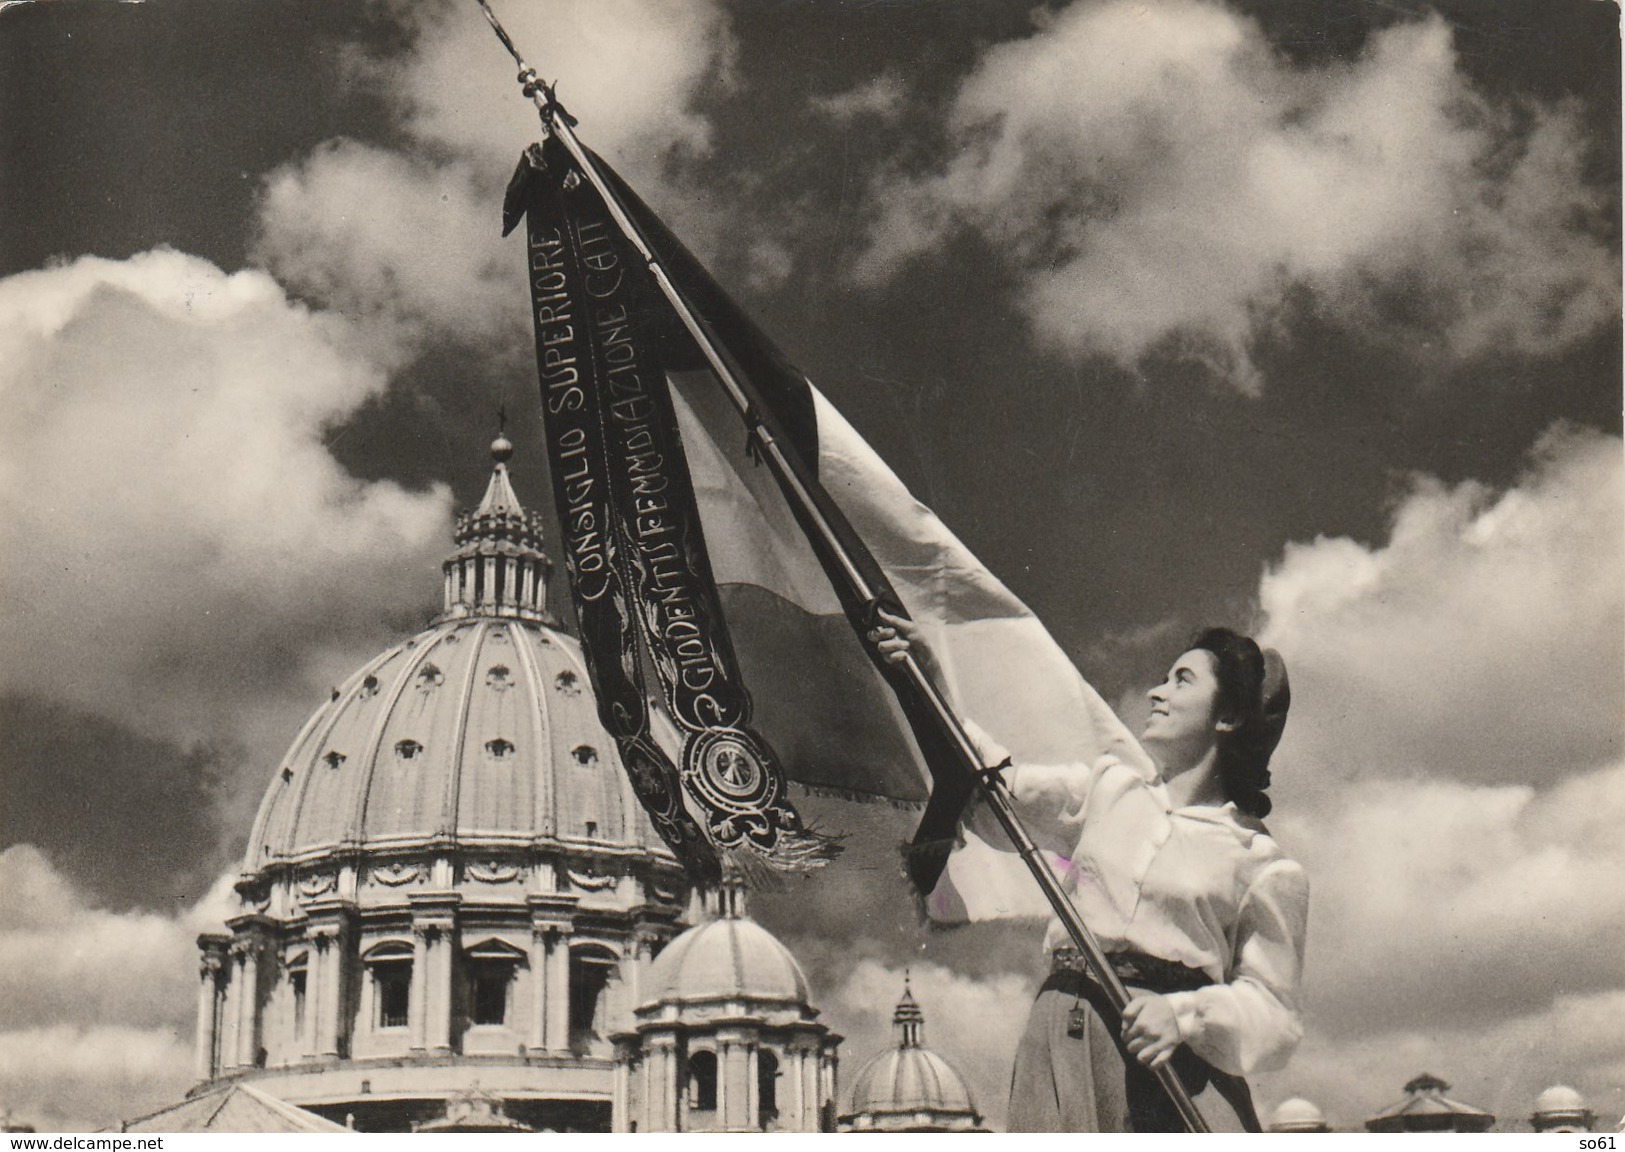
897 639
1150 1030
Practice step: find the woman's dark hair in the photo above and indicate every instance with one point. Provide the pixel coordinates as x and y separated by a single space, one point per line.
1253 696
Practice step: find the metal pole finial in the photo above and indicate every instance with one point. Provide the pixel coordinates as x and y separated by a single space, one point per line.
541 93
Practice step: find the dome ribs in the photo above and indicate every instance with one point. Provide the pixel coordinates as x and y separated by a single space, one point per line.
280 800
540 787
357 831
306 756
448 825
494 794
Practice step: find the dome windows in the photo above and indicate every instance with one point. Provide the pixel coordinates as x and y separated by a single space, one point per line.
499 749
333 759
592 967
408 749
491 993
429 678
491 970
390 965
499 678
585 754
702 1081
767 1088
369 688
298 967
568 683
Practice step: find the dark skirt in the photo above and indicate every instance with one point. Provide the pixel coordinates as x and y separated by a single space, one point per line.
1072 1075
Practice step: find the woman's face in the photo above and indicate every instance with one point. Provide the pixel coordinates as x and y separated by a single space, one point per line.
1182 706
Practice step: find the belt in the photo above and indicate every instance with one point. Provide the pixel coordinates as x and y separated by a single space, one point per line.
1150 1110
1151 972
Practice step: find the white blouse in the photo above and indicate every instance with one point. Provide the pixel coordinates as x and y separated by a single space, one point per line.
1206 887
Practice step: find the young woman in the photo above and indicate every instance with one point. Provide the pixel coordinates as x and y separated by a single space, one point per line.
1176 875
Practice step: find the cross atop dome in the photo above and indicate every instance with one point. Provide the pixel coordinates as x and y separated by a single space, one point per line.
499 568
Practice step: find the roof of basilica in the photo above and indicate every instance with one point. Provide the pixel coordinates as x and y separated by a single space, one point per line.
481 729
232 1108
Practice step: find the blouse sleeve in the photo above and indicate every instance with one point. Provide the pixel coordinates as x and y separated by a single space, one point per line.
1050 800
1251 1024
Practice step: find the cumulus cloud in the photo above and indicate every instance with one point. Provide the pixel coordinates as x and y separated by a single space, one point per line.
409 238
629 68
185 556
1503 896
98 1006
1484 641
1452 779
410 245
1163 182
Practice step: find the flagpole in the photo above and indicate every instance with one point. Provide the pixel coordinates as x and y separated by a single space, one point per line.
995 792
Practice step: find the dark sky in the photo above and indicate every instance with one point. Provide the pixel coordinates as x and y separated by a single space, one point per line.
1313 356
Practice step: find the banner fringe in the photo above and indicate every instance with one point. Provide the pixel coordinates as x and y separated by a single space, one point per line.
833 792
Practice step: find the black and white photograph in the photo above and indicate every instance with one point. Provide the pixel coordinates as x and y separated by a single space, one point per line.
825 566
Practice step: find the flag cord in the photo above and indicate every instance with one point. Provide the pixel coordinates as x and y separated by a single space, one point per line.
990 783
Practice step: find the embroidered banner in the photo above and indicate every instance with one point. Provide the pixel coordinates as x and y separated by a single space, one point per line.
581 494
618 463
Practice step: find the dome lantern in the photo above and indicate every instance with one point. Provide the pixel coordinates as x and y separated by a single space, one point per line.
499 568
908 1022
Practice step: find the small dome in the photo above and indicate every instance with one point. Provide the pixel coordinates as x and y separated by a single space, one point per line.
908 1087
1562 1109
730 958
1297 1115
909 1080
1560 1098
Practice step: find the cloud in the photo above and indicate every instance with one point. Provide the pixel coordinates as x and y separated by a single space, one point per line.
1485 641
1165 183
77 787
1442 904
185 557
98 1006
1453 778
629 68
883 98
407 244
409 238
